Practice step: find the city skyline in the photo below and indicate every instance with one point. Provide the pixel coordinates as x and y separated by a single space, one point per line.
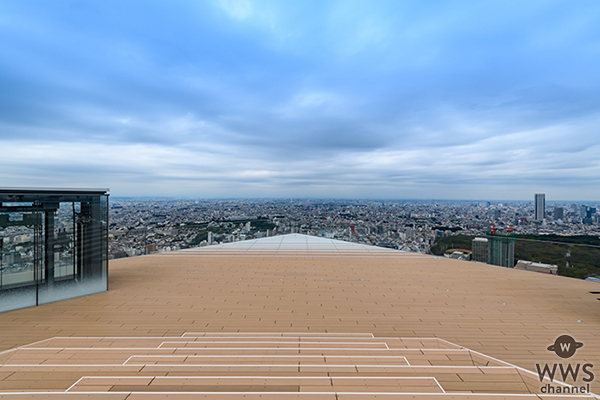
292 199
266 99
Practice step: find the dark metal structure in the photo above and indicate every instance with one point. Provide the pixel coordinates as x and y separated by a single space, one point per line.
53 245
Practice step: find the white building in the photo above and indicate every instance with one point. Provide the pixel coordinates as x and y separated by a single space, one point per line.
537 267
480 250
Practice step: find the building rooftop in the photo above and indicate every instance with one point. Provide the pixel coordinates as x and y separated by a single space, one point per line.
49 191
302 317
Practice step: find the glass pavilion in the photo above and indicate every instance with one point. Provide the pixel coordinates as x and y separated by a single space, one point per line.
53 245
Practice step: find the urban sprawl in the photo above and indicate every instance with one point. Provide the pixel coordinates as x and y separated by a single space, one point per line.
138 227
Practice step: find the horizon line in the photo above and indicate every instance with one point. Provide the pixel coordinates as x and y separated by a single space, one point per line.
191 198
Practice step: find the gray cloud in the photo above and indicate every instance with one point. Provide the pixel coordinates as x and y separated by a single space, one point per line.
327 99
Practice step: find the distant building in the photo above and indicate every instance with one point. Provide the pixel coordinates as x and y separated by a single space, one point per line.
537 267
587 213
459 255
502 250
480 250
559 213
210 238
539 206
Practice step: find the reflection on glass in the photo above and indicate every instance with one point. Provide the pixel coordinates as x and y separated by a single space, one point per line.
64 243
17 252
52 247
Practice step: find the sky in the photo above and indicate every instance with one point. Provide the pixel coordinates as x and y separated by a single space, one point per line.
306 99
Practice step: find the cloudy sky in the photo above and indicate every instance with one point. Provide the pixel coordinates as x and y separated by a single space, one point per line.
343 99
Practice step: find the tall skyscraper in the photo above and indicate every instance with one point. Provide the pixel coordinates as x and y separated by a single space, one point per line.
540 206
502 250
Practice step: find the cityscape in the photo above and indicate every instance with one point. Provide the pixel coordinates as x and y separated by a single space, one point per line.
140 227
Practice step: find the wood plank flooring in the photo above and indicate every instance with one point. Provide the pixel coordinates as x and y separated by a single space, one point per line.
227 321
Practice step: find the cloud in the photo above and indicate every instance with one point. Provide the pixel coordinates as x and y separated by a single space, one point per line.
238 9
315 99
336 98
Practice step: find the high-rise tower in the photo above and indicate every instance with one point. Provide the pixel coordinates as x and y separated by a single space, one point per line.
502 250
540 206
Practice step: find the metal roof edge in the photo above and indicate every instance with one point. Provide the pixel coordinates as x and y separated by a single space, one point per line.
53 191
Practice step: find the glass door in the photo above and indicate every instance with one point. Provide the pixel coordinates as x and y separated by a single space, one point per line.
21 258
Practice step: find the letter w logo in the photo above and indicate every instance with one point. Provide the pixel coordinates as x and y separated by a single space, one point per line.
565 347
565 372
546 370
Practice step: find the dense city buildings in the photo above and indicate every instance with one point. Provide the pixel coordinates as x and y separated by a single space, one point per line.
141 226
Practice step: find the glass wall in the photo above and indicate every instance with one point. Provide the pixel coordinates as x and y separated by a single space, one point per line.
20 248
53 246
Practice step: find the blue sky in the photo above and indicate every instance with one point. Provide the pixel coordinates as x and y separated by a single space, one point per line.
349 99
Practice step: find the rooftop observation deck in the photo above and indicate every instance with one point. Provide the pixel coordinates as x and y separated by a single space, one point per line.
299 317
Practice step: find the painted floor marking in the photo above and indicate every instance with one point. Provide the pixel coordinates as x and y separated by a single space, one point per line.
282 335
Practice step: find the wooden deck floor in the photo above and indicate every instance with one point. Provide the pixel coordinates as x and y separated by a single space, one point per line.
301 311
